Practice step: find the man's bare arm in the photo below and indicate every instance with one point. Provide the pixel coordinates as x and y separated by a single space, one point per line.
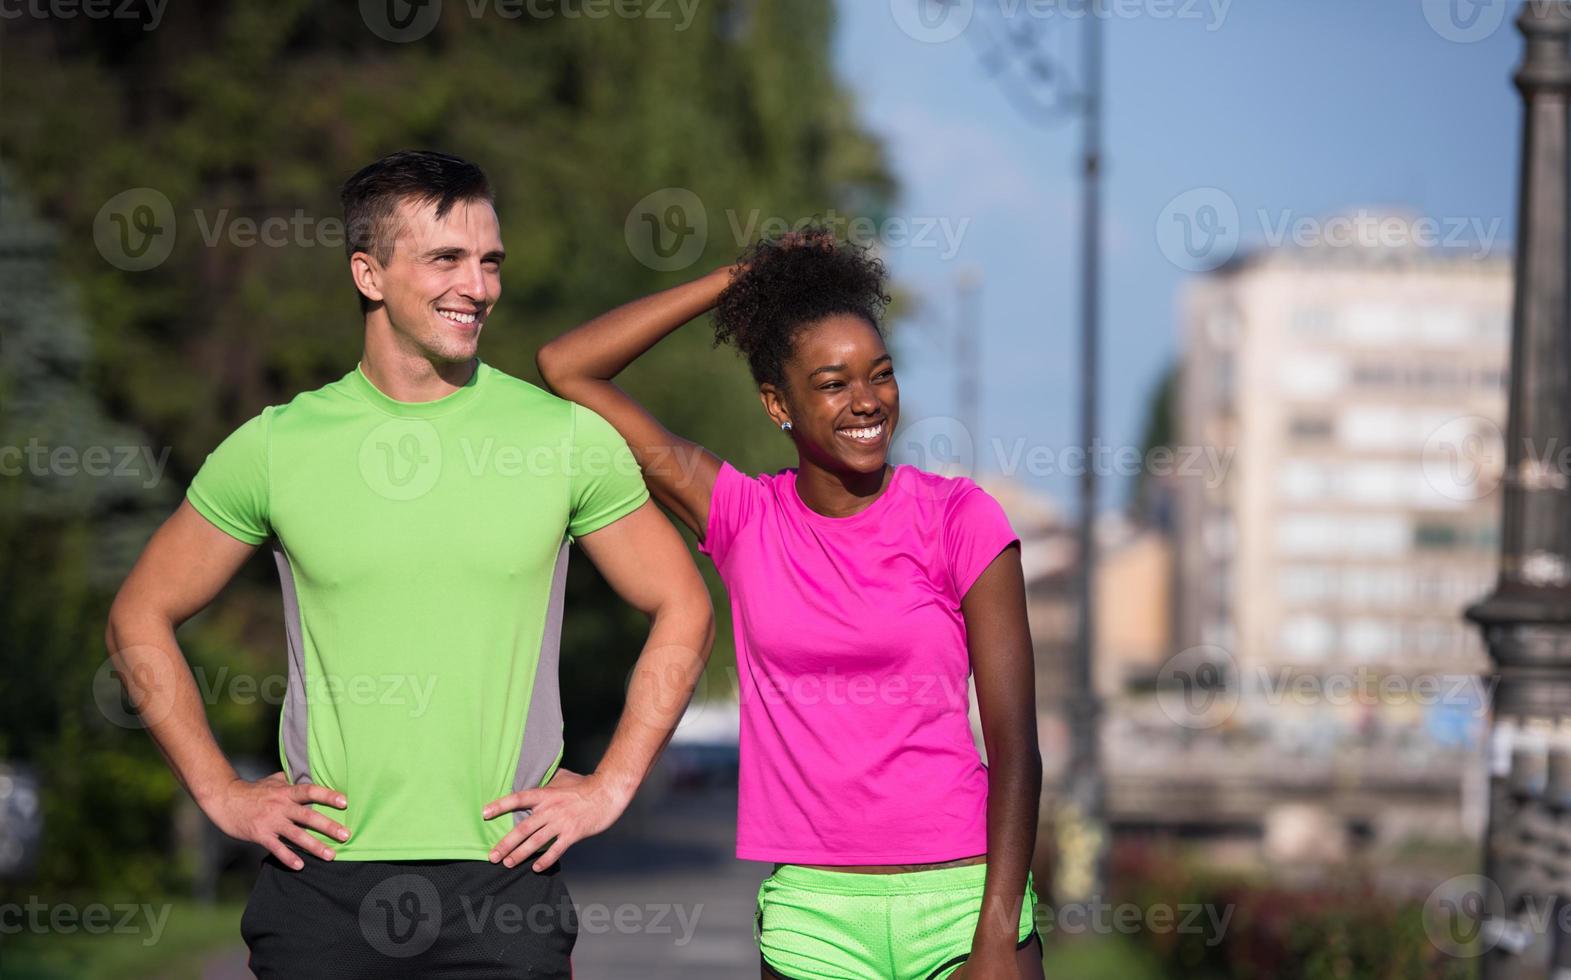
645 561
184 566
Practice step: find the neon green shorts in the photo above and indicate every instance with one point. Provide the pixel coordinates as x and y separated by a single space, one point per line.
839 925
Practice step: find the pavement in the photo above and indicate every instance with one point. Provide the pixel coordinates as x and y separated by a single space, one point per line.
662 896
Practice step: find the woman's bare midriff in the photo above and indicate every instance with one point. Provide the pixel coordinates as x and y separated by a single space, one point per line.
891 869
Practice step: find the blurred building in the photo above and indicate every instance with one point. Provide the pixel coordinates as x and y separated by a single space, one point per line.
1345 404
1047 560
1132 608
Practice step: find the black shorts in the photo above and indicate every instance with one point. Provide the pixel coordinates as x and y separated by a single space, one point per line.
373 919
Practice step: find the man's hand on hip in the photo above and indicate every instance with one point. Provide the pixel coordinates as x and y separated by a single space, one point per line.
272 810
562 813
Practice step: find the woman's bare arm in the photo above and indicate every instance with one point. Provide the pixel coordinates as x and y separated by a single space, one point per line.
580 366
999 638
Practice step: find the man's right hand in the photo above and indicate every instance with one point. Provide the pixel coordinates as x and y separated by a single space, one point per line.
272 810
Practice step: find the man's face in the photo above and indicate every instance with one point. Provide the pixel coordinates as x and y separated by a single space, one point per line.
444 278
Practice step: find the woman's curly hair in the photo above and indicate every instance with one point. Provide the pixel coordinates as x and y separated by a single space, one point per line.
784 284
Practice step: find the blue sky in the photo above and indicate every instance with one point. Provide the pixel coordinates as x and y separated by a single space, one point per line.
1298 108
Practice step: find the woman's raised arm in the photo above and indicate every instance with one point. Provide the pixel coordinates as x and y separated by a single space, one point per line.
580 366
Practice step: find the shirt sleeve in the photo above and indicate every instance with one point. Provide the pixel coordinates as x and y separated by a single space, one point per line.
231 489
976 531
732 503
606 483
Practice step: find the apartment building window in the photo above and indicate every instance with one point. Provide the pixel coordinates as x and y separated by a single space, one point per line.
1217 633
1307 637
1370 535
1443 327
1376 535
1374 376
1219 535
1378 325
1436 378
1376 586
1370 639
1222 327
1311 375
1307 584
1310 428
1314 323
1433 638
1492 327
1431 534
1300 479
1441 536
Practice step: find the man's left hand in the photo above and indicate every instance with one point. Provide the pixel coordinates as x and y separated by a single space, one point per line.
563 812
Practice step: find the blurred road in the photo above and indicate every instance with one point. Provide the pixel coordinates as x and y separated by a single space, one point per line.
662 896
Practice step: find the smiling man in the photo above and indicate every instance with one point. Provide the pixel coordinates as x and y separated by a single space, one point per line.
420 511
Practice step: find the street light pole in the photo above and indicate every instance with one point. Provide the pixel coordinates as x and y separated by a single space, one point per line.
1083 836
1043 93
1526 621
968 355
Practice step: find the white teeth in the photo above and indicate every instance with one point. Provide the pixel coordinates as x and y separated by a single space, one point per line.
867 434
458 317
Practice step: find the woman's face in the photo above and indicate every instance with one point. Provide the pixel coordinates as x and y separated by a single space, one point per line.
841 396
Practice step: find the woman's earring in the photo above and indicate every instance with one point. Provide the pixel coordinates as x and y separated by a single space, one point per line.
785 426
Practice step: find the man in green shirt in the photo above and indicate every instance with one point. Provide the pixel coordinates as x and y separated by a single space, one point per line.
420 511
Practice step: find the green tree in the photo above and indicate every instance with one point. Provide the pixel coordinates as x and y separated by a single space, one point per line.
240 112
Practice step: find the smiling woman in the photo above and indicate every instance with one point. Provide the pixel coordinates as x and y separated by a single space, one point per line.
858 589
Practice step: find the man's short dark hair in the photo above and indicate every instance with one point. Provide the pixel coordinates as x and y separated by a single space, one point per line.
372 196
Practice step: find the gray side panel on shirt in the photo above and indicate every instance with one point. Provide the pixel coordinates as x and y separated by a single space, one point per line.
543 727
292 729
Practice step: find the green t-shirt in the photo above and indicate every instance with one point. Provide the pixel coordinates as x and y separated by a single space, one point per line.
422 551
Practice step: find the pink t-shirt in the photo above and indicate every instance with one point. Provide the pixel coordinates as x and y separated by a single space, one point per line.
856 746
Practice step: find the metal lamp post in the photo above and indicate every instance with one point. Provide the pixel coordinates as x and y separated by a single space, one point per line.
1526 621
1047 94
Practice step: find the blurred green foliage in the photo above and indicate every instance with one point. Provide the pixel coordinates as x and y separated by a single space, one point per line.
254 111
1345 929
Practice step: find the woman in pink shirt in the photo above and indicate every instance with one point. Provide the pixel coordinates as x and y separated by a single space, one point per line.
863 596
